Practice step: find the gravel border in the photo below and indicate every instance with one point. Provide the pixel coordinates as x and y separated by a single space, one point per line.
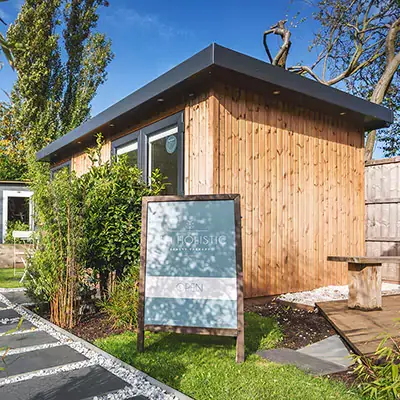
149 386
331 293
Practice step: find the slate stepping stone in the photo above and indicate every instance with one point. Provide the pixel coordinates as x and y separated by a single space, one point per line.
140 397
26 339
3 305
16 364
9 313
309 364
8 327
17 297
330 349
84 383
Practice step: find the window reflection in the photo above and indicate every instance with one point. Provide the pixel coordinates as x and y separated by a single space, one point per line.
163 154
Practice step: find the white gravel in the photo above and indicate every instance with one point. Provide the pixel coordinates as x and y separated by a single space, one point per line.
331 293
136 382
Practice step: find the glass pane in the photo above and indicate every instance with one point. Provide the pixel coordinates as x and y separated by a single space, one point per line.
131 150
18 209
132 157
163 154
64 168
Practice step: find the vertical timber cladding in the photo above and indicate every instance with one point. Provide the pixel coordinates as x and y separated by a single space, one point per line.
191 267
300 175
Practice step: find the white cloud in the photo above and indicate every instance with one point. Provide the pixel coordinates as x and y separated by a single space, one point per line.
150 22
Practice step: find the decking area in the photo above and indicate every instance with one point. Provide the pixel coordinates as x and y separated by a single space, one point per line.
364 330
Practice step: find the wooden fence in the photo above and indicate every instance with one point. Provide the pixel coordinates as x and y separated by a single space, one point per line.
382 200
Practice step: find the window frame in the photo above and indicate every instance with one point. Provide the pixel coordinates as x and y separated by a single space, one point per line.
142 137
53 170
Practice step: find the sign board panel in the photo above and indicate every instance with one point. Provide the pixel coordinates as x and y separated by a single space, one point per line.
191 272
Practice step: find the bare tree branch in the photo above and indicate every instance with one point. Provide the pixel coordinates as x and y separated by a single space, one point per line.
281 56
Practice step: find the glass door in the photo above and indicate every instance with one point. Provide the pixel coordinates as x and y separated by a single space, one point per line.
163 153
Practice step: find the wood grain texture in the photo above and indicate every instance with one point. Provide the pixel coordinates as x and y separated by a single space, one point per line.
300 176
363 331
382 215
365 287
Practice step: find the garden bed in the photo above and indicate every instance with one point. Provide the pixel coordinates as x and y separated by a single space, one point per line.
204 367
299 327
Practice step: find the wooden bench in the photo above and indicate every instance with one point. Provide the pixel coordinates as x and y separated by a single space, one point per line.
365 280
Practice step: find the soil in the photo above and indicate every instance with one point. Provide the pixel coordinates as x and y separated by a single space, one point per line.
95 326
300 327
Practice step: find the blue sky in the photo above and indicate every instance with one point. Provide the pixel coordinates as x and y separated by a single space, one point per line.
150 37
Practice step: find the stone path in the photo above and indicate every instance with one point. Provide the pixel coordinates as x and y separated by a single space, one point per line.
44 362
325 357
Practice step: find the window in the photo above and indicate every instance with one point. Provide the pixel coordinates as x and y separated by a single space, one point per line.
17 206
163 154
159 145
58 168
131 150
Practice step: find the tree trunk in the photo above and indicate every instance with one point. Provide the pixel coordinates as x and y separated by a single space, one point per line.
377 97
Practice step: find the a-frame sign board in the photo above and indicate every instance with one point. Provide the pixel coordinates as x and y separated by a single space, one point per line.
191 277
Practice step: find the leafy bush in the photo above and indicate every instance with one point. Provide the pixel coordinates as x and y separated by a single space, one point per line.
15 226
112 207
88 228
122 304
380 374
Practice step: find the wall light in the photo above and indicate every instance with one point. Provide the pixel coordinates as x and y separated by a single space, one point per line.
276 92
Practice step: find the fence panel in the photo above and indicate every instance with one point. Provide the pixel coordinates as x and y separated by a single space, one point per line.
382 222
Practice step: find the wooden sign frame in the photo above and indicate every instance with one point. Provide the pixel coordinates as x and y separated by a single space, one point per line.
239 332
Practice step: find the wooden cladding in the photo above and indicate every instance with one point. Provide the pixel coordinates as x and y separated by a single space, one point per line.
81 163
300 177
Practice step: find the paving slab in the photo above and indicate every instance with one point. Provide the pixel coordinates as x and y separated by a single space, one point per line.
3 305
304 362
140 397
17 297
330 349
10 326
9 313
27 339
70 385
16 364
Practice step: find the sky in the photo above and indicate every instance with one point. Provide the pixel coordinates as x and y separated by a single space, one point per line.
150 37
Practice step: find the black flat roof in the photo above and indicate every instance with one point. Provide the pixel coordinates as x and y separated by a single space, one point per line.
215 56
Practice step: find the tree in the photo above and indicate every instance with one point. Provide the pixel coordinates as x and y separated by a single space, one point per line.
5 47
358 43
12 161
56 79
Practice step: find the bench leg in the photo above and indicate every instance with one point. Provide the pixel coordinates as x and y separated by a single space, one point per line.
365 287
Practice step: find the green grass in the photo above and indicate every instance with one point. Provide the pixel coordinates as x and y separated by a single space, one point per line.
8 280
204 367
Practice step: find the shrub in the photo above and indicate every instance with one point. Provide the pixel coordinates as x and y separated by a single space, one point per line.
88 227
15 226
56 266
112 207
380 374
122 303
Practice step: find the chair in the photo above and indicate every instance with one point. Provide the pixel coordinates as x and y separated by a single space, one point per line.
26 237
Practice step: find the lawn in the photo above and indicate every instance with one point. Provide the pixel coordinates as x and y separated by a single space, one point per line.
7 278
204 367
